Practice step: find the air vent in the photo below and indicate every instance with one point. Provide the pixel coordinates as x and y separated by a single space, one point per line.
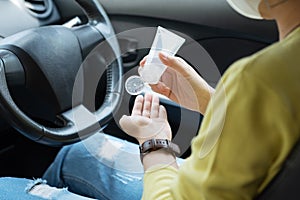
39 8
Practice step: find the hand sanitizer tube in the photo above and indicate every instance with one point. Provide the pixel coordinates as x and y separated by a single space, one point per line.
164 41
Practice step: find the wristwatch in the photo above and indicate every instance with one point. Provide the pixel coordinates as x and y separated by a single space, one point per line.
156 144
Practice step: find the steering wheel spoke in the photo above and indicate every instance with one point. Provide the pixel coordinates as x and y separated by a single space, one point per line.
80 117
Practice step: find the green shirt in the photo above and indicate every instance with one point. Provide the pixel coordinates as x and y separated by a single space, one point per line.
251 124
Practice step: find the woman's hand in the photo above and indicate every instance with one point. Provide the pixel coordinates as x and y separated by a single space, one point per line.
182 84
147 121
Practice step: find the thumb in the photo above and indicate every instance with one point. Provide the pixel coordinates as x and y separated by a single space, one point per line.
127 126
143 61
124 121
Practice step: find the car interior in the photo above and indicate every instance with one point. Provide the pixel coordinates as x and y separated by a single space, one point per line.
44 43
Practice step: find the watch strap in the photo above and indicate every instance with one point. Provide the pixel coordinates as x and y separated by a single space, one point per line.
156 144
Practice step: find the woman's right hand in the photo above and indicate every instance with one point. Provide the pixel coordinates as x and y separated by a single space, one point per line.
182 84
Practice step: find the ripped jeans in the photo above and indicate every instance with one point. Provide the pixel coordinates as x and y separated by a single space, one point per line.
101 167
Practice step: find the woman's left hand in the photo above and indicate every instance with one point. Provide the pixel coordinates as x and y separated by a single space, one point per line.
147 121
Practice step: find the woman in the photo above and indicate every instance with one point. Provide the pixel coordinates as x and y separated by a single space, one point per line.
257 127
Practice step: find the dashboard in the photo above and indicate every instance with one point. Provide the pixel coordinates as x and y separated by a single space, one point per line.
19 15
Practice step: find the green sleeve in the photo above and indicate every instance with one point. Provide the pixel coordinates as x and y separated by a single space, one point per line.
240 146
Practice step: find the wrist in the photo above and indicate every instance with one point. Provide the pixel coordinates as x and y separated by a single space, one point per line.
158 152
158 136
204 95
161 158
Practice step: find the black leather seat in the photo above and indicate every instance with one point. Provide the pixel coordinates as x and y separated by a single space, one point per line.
286 184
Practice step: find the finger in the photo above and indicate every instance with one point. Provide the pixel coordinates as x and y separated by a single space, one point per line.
173 97
143 61
162 112
161 88
139 70
138 106
154 107
147 105
168 77
176 63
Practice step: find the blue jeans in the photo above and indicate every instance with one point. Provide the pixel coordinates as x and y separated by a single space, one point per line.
19 189
101 167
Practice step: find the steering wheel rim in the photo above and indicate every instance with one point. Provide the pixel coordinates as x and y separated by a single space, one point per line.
76 126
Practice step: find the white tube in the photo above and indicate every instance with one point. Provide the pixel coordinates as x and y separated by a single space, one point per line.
164 41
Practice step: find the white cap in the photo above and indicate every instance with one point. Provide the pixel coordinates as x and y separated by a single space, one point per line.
248 8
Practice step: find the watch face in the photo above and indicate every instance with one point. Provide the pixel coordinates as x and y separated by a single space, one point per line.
134 85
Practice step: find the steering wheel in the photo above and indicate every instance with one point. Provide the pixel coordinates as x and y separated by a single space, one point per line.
48 61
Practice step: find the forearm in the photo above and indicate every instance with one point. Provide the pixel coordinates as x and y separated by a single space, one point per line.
203 93
159 158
